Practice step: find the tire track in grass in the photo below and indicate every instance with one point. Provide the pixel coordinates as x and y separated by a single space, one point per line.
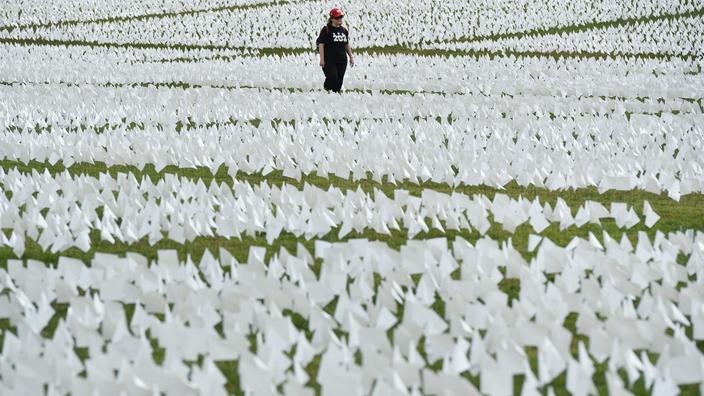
146 16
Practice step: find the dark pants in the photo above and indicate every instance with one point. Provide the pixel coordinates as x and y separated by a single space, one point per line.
334 73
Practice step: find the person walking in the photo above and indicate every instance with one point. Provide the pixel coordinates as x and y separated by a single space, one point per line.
334 47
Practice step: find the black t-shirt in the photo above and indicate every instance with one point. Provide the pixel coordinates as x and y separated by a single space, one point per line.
335 40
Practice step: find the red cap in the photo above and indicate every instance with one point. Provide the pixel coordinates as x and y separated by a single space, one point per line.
336 12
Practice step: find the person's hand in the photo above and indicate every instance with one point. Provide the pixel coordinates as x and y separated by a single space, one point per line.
351 61
322 63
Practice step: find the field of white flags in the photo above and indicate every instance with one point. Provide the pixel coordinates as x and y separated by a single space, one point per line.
506 199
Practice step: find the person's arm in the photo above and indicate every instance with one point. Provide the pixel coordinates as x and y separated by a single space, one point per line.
348 49
321 49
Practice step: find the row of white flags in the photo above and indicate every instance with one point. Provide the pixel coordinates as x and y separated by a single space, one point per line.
638 84
60 212
549 142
